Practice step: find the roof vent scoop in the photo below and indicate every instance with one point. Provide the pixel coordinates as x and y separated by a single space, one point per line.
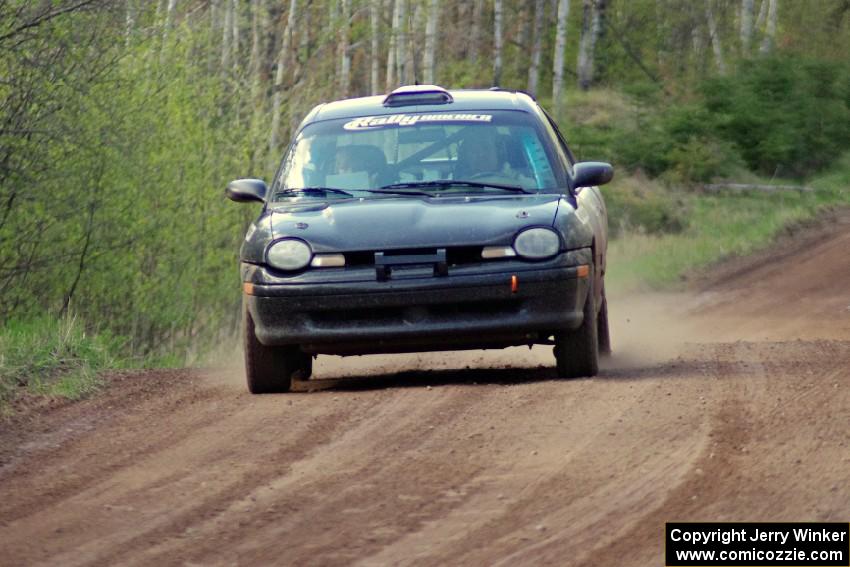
418 94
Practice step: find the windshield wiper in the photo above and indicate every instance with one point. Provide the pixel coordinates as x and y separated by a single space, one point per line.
313 191
444 183
401 189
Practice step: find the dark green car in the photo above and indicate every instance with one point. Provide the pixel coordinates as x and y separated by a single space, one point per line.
424 220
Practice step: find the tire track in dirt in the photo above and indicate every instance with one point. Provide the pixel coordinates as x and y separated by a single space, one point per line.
730 403
733 479
325 480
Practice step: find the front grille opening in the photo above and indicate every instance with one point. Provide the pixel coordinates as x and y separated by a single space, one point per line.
433 313
455 255
461 255
359 259
410 251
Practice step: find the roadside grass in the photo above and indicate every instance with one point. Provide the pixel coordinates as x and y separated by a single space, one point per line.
55 357
52 357
716 226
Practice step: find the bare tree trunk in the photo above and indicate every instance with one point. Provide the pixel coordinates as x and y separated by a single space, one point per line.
66 302
226 30
258 34
560 44
584 43
414 20
401 45
599 27
762 14
129 23
747 10
374 21
715 38
392 53
332 13
169 19
477 18
661 35
526 17
235 20
344 55
698 43
534 69
497 42
591 26
770 32
304 35
283 59
430 42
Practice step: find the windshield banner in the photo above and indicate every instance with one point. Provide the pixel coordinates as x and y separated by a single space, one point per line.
371 122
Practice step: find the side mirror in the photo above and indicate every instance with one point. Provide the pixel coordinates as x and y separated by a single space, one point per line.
591 173
245 190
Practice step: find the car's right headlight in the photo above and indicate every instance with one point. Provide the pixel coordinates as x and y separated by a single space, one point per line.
289 254
537 243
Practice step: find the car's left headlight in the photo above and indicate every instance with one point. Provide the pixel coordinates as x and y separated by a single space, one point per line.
289 254
537 243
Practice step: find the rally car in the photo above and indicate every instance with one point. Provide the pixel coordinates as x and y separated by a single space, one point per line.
424 220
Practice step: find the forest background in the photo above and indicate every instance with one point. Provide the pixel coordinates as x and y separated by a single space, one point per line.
122 120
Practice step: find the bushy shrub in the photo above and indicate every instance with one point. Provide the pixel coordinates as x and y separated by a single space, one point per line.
679 143
779 115
784 114
636 203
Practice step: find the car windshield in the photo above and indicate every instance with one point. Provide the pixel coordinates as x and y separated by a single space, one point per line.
419 153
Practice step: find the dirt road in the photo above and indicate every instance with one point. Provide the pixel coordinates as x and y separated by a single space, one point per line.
728 403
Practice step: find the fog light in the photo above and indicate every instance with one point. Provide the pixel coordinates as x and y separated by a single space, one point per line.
490 252
328 261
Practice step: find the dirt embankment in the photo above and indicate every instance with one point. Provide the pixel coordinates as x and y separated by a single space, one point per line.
729 403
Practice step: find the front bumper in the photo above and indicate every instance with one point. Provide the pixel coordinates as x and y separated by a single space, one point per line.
472 307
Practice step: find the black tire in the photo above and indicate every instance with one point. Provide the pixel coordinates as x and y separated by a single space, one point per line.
602 326
577 352
270 370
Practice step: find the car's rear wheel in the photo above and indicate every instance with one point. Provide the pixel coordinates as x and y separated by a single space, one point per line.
577 352
271 369
602 325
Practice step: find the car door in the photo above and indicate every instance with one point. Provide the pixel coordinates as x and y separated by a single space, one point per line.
591 203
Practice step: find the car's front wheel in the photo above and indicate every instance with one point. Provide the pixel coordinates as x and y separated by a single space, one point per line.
577 352
271 369
602 328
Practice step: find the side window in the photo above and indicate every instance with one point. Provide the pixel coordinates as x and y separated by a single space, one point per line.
553 130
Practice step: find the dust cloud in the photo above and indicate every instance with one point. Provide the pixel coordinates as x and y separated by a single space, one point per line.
646 328
652 328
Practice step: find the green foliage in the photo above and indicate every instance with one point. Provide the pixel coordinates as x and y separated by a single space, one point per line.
720 226
780 115
784 113
677 142
52 356
636 204
119 209
117 139
701 159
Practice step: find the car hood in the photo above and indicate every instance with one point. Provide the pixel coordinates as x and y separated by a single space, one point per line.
411 222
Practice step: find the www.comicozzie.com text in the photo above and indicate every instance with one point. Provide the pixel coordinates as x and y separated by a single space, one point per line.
726 536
